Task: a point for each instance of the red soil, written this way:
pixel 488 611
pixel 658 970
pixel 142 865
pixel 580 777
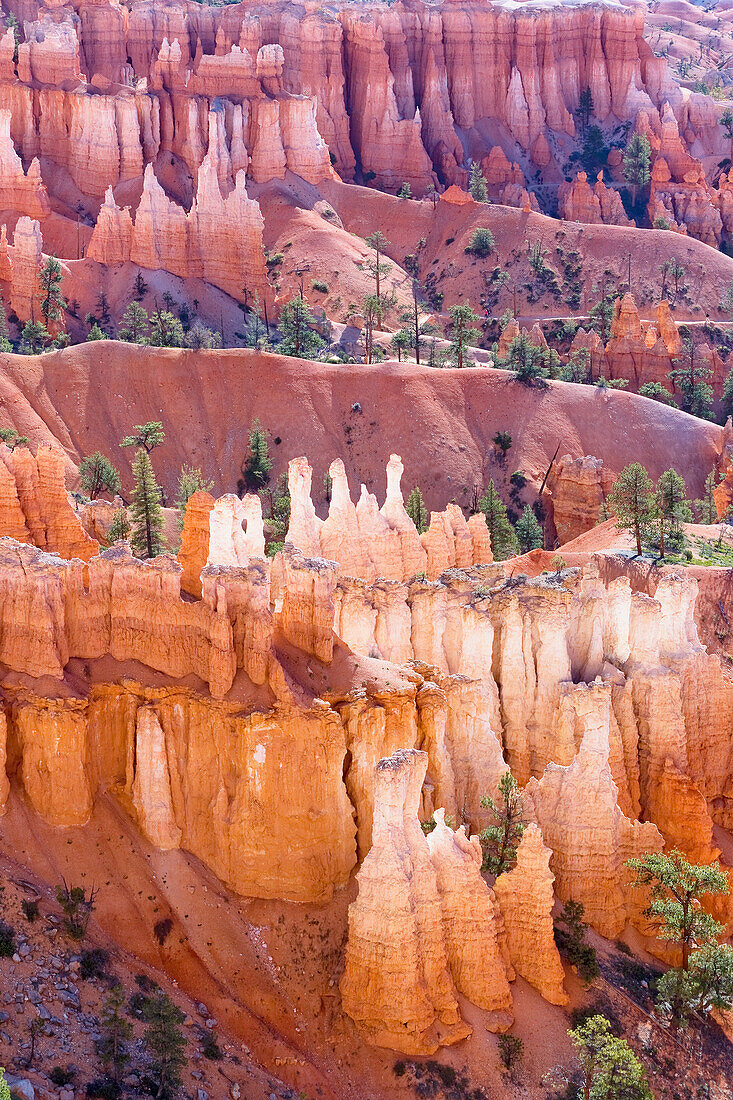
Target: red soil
pixel 441 421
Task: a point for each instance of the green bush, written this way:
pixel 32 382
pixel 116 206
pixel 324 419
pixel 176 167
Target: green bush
pixel 482 242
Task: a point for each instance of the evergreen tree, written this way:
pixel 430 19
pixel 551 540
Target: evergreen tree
pixel 675 271
pixel 201 338
pixel 477 184
pixel 299 339
pixel 95 333
pixel 632 500
pixel 146 515
pixel 135 325
pixel 482 242
pixel 5 344
pixel 692 378
pixel 11 438
pixel 527 361
pixel 405 191
pixel 97 474
pixel 503 440
pixel 149 436
pixel 657 392
pixel 258 463
pixel 706 986
pixel 417 511
pixel 4 1087
pixel 705 505
pixel 141 287
pixel 570 933
pixel 190 481
pixel 401 341
pixel 675 888
pixel 585 109
pixel 119 528
pixel 165 1042
pixel 254 334
pixel 278 521
pixel 610 1069
pixel 594 153
pixel 528 531
pixel 373 311
pixel 637 161
pixel 52 302
pixel 378 242
pixel 463 333
pixel 501 840
pixel 503 539
pixel 166 331
pixel 33 338
pixel 673 510
pixel 726 401
pixel 116 1031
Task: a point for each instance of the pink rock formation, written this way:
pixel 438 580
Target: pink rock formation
pixel 21 192
pixel 579 202
pixel 525 898
pixel 396 986
pixel 578 488
pixel 591 840
pixel 470 923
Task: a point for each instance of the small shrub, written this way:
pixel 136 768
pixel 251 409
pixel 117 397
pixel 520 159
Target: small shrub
pixel 93 963
pixel 482 242
pixel 320 286
pixel 399 1069
pixel 511 1051
pixel 30 910
pixel 210 1048
pixel 275 259
pixel 77 909
pixel 61 1077
pixel 7 940
pixel 162 929
pixel 104 1088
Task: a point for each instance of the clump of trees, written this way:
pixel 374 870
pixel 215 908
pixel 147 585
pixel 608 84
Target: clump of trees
pixel 676 888
pixel 653 514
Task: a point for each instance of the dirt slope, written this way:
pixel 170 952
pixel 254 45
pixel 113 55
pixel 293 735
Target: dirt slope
pixel 441 421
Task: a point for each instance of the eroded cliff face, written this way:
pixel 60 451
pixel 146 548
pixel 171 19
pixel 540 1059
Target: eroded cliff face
pixel 248 723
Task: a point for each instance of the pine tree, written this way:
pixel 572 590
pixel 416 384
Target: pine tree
pixel 585 109
pixel 166 331
pixel 373 311
pixel 527 361
pixel 116 1032
pixel 12 439
pixel 675 888
pixel 119 528
pixel 705 505
pixel 417 511
pixel 503 539
pixel 145 512
pixel 4 1087
pixel 97 474
pixel 165 1042
pixel 528 531
pixel 52 302
pixel 33 338
pixel 149 436
pixel 95 333
pixel 692 378
pixel 632 500
pixel 637 161
pixel 135 325
pixel 258 463
pixel 501 840
pixel 464 333
pixel 299 339
pixel 190 481
pixel 673 509
pixel 477 184
pixel 610 1069
pixel 5 344
pixel 378 242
